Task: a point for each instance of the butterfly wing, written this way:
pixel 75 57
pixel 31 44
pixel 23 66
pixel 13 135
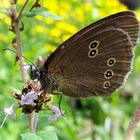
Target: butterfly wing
pixel 95 60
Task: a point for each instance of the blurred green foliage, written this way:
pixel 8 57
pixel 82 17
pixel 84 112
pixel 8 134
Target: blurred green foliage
pixel 94 118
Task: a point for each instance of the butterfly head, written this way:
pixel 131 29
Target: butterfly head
pixel 47 82
pixel 34 73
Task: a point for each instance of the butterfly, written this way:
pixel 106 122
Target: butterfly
pixel 94 61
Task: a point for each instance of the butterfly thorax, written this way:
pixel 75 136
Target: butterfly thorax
pixel 47 82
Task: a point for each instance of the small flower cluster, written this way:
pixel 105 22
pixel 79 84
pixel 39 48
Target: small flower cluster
pixel 33 99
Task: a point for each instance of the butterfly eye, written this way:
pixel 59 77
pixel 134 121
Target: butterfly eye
pixel 92 53
pixel 108 74
pixel 94 44
pixel 111 62
pixel 106 84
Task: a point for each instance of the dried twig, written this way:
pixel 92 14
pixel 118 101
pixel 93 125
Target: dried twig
pixel 133 124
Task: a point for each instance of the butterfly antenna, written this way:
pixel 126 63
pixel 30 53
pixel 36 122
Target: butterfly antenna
pixel 7 49
pixel 59 103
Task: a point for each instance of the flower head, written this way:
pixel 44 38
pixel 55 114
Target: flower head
pixel 56 113
pixel 29 98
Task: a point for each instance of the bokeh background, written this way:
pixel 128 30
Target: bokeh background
pixel 94 118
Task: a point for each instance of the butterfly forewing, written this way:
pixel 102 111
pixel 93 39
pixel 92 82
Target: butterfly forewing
pixel 95 60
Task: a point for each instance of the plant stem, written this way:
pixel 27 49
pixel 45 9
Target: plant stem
pixel 35 122
pixel 18 43
pixel 20 52
pixel 18 18
pixel 34 5
pixel 33 117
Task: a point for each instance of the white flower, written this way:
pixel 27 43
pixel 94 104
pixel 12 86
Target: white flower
pixel 56 113
pixel 29 98
pixel 10 112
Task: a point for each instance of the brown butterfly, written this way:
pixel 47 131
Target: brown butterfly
pixel 94 61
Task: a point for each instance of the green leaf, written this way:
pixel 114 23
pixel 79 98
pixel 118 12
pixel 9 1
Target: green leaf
pixel 137 64
pixel 42 12
pixel 42 135
pixel 48 135
pixel 3 11
pixel 30 136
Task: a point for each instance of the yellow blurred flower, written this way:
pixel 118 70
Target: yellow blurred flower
pixel 88 6
pixel 65 5
pixel 110 7
pixel 49 20
pixel 66 27
pixel 40 18
pixel 55 32
pixel 79 13
pixel 50 48
pixel 51 6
